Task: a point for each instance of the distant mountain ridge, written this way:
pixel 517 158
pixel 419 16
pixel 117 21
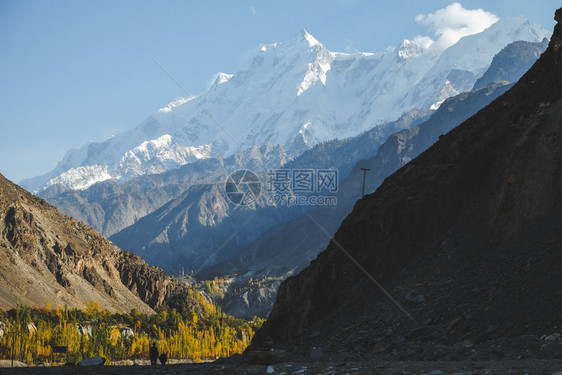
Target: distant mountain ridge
pixel 109 206
pixel 295 94
pixel 512 62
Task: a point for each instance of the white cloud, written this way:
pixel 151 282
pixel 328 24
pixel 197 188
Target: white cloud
pixel 253 10
pixel 453 22
pixel 423 41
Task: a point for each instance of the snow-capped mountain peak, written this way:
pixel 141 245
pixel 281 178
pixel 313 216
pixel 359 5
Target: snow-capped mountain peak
pixel 461 64
pixel 413 48
pixel 222 78
pixel 295 94
pixel 303 40
pixel 309 38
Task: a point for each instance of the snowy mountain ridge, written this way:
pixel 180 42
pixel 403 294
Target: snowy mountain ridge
pixel 296 94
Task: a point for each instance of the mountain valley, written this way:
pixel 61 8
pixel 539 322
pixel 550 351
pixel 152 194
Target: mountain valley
pixel 310 212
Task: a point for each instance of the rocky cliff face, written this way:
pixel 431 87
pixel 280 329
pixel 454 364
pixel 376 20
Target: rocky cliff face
pixel 151 284
pixel 465 238
pixel 47 257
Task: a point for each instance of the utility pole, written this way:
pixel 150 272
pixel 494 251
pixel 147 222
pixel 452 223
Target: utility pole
pixel 364 174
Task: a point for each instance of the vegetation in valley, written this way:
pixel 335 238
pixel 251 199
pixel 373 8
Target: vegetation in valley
pixel 189 328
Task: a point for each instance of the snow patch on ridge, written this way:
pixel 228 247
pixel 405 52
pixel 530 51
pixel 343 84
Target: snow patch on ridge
pixel 316 72
pixel 222 78
pixel 174 104
pixel 309 38
pixel 81 178
pixel 446 92
pixel 157 156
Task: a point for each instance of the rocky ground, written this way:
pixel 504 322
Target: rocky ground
pixel 538 367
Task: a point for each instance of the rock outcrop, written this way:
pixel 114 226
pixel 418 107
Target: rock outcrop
pixel 47 257
pixel 150 283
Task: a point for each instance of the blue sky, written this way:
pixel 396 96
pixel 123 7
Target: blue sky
pixel 74 71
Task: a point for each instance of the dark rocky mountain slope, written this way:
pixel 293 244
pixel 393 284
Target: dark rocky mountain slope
pixel 47 257
pixel 466 238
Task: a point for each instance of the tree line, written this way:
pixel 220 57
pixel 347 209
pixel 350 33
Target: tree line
pixel 43 335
